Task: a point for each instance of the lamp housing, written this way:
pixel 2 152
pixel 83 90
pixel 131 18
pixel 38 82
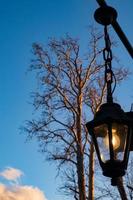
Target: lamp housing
pixel 111 131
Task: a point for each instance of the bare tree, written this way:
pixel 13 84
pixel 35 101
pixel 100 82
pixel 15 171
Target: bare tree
pixel 71 89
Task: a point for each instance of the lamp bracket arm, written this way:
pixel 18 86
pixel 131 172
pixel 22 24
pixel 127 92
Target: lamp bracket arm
pixel 119 31
pixel 101 2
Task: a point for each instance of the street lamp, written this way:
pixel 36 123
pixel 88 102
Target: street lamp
pixel 112 128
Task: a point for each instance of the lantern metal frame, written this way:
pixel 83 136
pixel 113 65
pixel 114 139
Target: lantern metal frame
pixel 110 113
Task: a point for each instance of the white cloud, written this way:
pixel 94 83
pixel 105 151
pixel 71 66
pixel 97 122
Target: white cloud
pixel 16 191
pixel 11 174
pixel 21 193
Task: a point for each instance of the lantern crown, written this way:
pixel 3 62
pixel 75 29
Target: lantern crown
pixel 109 112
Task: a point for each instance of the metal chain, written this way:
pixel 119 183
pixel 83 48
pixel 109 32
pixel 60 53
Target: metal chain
pixel 107 56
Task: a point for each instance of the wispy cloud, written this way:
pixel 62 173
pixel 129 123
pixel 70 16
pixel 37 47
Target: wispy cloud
pixel 16 191
pixel 21 193
pixel 11 174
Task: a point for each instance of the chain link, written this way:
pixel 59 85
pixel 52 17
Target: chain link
pixel 107 53
pixel 107 56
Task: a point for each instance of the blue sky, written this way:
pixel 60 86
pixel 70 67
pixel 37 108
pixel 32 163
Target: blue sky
pixel 21 24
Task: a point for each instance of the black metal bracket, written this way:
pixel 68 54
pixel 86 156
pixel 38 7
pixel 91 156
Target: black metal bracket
pixel 118 30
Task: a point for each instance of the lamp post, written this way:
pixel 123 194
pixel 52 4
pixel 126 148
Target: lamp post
pixel 112 128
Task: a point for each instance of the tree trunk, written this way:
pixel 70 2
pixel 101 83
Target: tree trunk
pixel 80 153
pixel 91 173
pixel 121 189
pixel 80 172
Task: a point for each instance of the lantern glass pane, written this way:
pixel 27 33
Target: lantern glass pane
pixel 119 137
pixel 100 134
pixel 119 132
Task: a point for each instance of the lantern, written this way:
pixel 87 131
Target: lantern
pixel 111 131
